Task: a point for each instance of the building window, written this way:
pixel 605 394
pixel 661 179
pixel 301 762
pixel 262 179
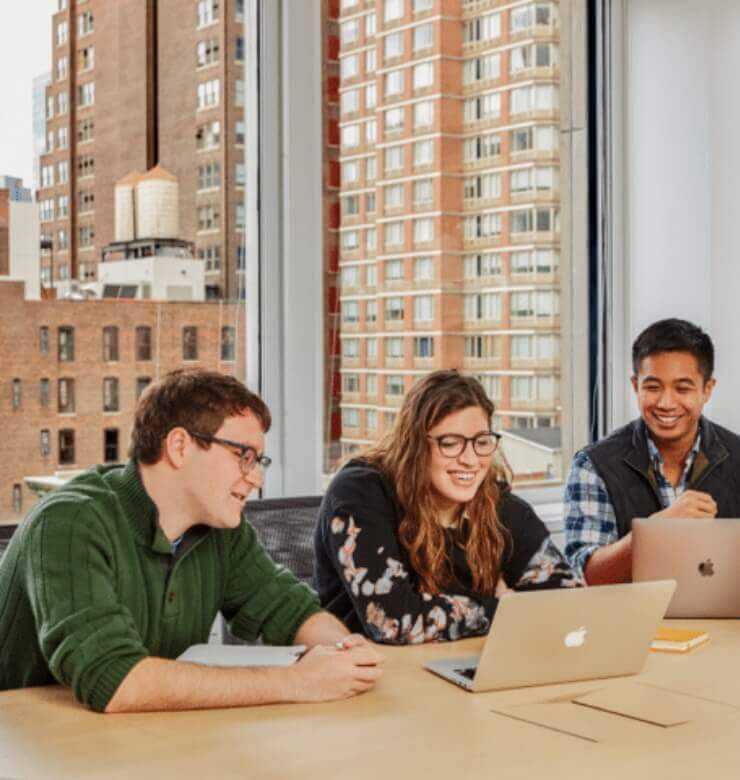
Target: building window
pixel 350 348
pixel 349 31
pixel 482 306
pixel 240 174
pixel 211 256
pixel 110 394
pixel 424 347
pixel 63 171
pixel 190 343
pixel 240 217
pixel 228 343
pixel 393 10
pixel 66 344
pixel 17 498
pixel 423 36
pixel 239 93
pixel 62 102
pixel 110 343
pixel 208 136
pixel 47 175
pixel 206 52
pixel 44 392
pixel 62 68
pixel 208 94
pixel 86 58
pixel 45 443
pixel 208 218
pixel 350 418
pixel 482 28
pixel 394 309
pixel 63 205
pixel 209 176
pixel 85 130
pixel 17 393
pixel 85 166
pixel 46 209
pixel 350 312
pixel 423 308
pixel 110 445
pixel 66 447
pixel 85 24
pixel 142 382
pixel 423 75
pixel 62 33
pixel 240 133
pixel 351 383
pixel 394 385
pixel 66 396
pixel 86 94
pixel 239 48
pixel 207 12
pixel 423 114
pixel 393 83
pixel 143 342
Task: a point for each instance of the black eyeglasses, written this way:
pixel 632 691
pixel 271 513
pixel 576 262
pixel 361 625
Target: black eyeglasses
pixel 248 457
pixel 452 445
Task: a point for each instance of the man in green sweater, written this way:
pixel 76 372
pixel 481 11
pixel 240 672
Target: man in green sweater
pixel 119 571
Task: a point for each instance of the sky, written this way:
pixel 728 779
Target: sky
pixel 25 52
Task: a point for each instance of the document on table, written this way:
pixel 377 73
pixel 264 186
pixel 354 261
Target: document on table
pixel 242 655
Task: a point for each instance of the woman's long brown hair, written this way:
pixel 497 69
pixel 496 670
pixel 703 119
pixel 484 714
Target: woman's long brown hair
pixel 403 455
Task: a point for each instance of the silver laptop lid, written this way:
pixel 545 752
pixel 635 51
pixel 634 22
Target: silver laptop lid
pixel 700 554
pixel 553 636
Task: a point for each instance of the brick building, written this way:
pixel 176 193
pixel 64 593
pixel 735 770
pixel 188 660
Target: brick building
pixel 135 85
pixel 72 372
pixel 449 234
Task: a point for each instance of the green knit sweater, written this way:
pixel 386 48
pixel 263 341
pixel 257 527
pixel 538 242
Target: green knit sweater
pixel 89 587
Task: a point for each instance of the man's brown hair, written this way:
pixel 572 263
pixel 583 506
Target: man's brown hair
pixel 196 400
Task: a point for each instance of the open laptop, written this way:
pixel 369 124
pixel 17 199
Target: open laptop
pixel 700 554
pixel 563 635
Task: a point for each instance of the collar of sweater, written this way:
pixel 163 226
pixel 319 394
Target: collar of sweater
pixel 141 510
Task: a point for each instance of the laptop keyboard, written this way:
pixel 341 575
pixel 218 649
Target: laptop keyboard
pixel 468 672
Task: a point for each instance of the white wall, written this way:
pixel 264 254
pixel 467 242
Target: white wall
pixel 23 241
pixel 681 173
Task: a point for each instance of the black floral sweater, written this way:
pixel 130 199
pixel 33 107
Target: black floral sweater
pixel 364 577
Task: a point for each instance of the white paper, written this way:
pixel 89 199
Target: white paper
pixel 242 655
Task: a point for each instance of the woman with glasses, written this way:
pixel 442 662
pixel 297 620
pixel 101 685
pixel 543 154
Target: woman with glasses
pixel 419 537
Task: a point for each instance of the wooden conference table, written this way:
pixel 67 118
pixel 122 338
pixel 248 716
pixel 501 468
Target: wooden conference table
pixel 412 725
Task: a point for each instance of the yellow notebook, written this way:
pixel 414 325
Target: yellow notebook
pixel 678 640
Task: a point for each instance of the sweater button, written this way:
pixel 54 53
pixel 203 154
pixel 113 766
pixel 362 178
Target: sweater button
pixel 171 596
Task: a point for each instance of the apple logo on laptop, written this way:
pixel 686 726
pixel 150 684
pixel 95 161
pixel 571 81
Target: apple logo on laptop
pixel 706 568
pixel 576 638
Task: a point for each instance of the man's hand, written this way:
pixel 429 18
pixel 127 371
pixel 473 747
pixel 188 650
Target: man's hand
pixel 328 674
pixel 691 503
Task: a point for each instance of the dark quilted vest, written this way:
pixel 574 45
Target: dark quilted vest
pixel 623 462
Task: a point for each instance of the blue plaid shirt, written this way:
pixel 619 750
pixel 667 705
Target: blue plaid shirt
pixel 590 521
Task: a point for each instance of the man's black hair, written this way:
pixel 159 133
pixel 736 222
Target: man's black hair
pixel 674 335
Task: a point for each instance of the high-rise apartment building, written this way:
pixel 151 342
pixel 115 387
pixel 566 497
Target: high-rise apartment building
pixel 134 85
pixel 449 235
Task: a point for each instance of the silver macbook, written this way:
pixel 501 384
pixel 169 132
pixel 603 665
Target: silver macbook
pixel 563 635
pixel 700 554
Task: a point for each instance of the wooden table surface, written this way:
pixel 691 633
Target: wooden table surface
pixel 412 725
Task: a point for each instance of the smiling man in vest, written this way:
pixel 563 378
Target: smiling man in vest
pixel 671 462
